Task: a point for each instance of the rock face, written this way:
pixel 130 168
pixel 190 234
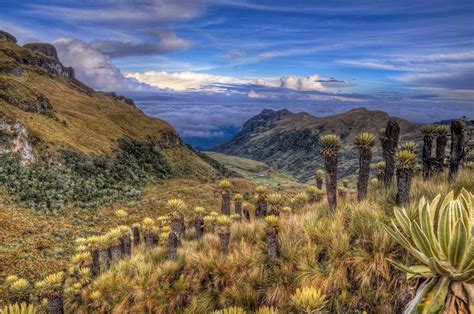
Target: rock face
pixel 14 140
pixel 48 59
pixel 290 141
pixel 4 36
pixel 124 99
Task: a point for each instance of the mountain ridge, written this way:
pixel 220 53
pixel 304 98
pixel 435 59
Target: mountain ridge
pixel 289 141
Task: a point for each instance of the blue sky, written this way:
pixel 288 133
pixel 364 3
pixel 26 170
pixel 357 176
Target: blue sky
pixel 399 54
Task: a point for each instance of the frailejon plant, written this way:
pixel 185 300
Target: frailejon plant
pixel 441 132
pixel 330 146
pixel 428 133
pixel 113 239
pixel 223 230
pixel 51 289
pixel 230 310
pixel 136 234
pixel 458 148
pixel 442 239
pixel 199 213
pixel 261 201
pixel 275 202
pixel 308 300
pixel 125 240
pixel 246 210
pixel 93 243
pixel 410 145
pixel 314 194
pixel 173 243
pixel 225 186
pixel 299 200
pixel 148 227
pixel 364 143
pixel 238 198
pixel 389 139
pixel 380 166
pixel 319 176
pixel 177 209
pixel 271 231
pixel 18 290
pixel 405 171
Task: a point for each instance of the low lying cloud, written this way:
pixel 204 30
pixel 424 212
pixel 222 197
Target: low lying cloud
pixel 93 67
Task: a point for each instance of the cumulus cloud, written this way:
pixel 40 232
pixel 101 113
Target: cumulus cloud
pixel 93 67
pixel 199 82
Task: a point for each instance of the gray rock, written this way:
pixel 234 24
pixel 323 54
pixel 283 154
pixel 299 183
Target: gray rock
pixel 4 36
pixel 14 140
pixel 47 59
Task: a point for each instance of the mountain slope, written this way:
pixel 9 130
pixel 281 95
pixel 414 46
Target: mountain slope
pixel 289 141
pixel 55 110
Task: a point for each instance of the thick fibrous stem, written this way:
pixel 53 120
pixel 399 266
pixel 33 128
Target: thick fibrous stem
pixel 115 252
pixel 177 226
pixel 105 256
pixel 389 146
pixel 441 142
pixel 273 245
pixel 173 242
pixel 126 245
pixel 149 239
pixel 458 150
pixel 224 236
pixel 330 163
pixel 261 208
pixel 238 207
pixel 246 213
pixel 225 206
pixel 199 227
pixel 365 157
pixel 319 183
pixel 55 303
pixel 95 267
pixel 426 155
pixel 404 178
pixel 136 236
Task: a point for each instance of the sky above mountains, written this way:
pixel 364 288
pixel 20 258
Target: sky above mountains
pixel 333 54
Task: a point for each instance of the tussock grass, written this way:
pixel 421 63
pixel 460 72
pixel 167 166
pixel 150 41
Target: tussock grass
pixel 344 255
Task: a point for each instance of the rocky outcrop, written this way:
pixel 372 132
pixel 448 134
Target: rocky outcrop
pixel 4 36
pixel 290 141
pixel 47 58
pixel 14 140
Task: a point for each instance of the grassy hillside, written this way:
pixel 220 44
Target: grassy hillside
pixel 257 171
pixel 81 119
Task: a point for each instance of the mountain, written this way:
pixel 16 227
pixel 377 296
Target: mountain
pixel 289 141
pixel 44 108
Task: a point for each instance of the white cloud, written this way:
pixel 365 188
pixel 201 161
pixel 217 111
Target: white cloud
pixel 192 81
pixel 94 68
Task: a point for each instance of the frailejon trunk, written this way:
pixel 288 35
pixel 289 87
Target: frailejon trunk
pixel 173 246
pixel 105 257
pixel 458 298
pixel 225 206
pixel 261 208
pixel 55 303
pixel 95 267
pixel 116 252
pixel 149 239
pixel 238 208
pixel 404 177
pixel 136 236
pixel 246 214
pixel 365 158
pixel 199 227
pixel 426 155
pixel 389 146
pixel 441 142
pixel 457 148
pixel 273 246
pixel 177 226
pixel 126 243
pixel 330 163
pixel 224 236
pixel 319 183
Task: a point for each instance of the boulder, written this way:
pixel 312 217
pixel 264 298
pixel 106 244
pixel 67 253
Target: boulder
pixel 4 36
